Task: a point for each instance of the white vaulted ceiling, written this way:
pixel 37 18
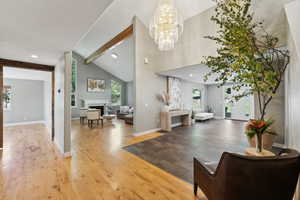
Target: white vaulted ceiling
pixel 117 17
pixel 46 28
pixel 123 66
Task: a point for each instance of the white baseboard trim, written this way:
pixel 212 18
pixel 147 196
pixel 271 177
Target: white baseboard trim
pixel 176 125
pixel 76 118
pixel 218 117
pixel 68 155
pixel 64 154
pixel 155 130
pixel 24 123
pixel 146 132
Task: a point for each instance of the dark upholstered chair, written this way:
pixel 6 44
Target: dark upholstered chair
pixel 239 177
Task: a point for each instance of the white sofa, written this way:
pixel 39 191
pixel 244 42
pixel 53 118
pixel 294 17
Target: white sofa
pixel 204 116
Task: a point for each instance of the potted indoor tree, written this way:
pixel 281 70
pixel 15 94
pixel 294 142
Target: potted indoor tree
pixel 248 57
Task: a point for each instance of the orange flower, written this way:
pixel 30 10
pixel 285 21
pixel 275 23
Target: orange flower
pixel 257 124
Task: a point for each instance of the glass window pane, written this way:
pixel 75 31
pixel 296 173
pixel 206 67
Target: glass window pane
pixel 73 100
pixel 74 84
pixel 116 90
pixel 74 76
pixel 196 99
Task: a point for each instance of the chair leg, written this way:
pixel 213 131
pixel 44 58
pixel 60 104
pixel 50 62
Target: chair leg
pixel 195 189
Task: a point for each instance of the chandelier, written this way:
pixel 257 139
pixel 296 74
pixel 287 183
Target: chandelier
pixel 166 25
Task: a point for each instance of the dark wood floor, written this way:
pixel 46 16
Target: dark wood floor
pixel 174 151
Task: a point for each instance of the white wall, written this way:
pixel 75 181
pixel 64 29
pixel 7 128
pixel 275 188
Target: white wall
pixel 192 46
pixel 292 76
pixel 292 85
pixel 215 100
pixel 147 84
pixel 27 102
pixel 48 104
pixel 59 104
pixel 67 100
pixel 62 103
pixel 129 94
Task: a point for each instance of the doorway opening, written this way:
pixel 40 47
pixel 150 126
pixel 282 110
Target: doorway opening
pixel 240 110
pixel 27 99
pixel 103 86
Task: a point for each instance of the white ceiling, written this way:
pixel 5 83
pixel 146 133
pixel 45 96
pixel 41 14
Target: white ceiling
pixel 117 17
pixel 46 28
pixel 194 73
pixel 122 67
pixel 27 74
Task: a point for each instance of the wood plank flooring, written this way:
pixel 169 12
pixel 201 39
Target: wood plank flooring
pixel 32 168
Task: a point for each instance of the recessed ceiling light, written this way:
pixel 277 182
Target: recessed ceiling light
pixel 191 75
pixel 34 56
pixel 114 55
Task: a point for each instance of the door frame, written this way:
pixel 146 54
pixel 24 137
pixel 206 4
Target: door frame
pixel 32 66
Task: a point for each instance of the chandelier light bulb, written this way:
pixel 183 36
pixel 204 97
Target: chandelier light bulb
pixel 166 25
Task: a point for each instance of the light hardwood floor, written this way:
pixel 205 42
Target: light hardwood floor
pixel 32 168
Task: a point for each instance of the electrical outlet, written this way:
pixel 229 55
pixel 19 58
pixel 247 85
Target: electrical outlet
pixel 146 60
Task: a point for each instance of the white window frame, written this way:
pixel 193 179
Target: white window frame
pixel 74 61
pixel 121 94
pixel 200 105
pixel 8 108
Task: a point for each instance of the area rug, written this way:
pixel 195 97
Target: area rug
pixel 174 151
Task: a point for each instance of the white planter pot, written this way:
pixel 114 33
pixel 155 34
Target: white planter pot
pixel 268 141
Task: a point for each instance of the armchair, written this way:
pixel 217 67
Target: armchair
pixel 239 177
pixel 124 111
pixel 92 116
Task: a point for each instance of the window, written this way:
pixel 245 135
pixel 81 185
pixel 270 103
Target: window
pixel 116 90
pixel 74 84
pixel 196 99
pixel 7 94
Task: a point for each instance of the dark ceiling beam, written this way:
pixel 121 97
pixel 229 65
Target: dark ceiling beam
pixel 26 65
pixel 120 37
